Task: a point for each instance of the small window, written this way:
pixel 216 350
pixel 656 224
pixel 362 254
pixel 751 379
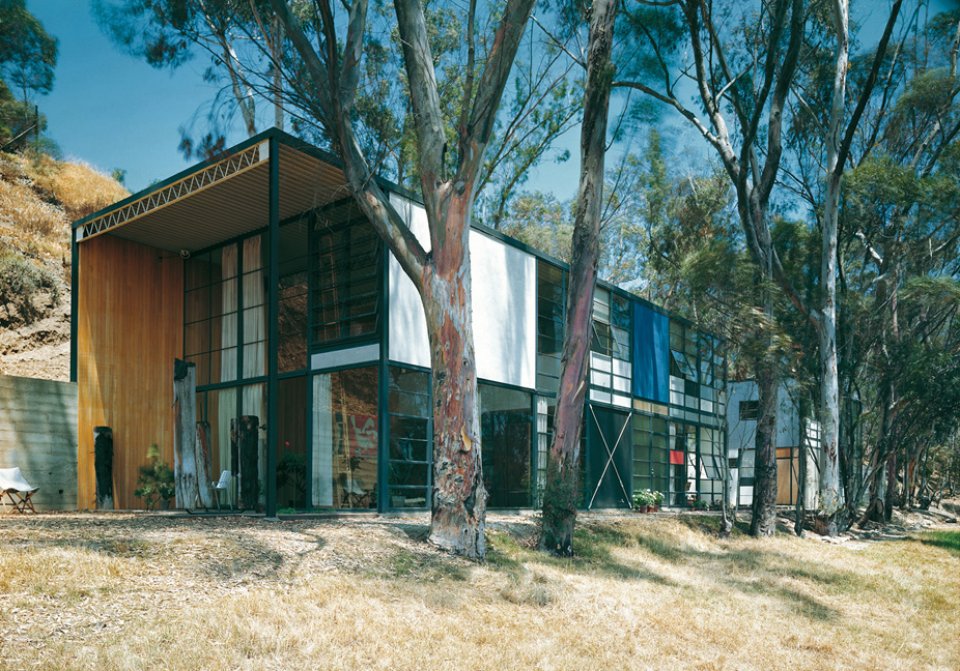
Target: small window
pixel 749 409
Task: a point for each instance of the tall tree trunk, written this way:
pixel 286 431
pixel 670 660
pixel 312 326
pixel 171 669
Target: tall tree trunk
pixel 561 493
pixel 891 486
pixel 764 520
pixel 459 498
pixel 827 324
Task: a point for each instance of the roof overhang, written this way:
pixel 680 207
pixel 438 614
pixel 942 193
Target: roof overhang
pixel 222 198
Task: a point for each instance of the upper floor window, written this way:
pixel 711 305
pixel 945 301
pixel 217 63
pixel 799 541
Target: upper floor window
pixel 347 277
pixel 611 325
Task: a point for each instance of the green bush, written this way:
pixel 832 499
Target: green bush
pixel 20 280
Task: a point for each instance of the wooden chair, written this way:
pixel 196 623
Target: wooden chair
pixel 15 487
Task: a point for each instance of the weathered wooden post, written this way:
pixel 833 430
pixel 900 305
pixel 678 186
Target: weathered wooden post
pixel 103 466
pixel 245 451
pixel 204 480
pixel 185 433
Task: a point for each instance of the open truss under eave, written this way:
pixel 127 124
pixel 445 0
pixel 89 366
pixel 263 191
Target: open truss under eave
pixel 231 166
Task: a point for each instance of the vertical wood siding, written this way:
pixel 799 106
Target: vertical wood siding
pixel 129 331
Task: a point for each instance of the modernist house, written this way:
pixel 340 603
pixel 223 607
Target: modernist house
pixel 794 428
pixel 312 356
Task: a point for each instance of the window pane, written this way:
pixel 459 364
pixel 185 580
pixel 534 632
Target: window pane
pixel 345 439
pixel 346 277
pixel 292 444
pixel 506 430
pixel 411 440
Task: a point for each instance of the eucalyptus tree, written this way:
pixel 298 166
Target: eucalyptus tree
pixel 561 491
pixel 323 71
pixel 825 139
pixel 741 61
pixel 28 54
pixel 326 62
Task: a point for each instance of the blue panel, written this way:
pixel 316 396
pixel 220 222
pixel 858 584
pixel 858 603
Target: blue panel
pixel 651 347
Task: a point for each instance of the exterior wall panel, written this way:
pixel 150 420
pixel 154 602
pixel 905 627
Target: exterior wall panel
pixel 504 311
pixel 129 331
pixel 409 343
pixel 38 434
pixel 504 307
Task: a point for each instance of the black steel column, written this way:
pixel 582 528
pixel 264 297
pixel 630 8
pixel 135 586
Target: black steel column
pixel 273 286
pixel 74 301
pixel 384 502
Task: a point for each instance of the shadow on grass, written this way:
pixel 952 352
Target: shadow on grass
pixel 210 547
pixel 752 569
pixel 594 543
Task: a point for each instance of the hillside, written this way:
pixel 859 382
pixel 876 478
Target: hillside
pixel 39 197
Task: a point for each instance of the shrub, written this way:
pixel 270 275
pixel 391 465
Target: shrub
pixel 20 280
pixel 156 480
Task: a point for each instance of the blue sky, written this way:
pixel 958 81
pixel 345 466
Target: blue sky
pixel 115 111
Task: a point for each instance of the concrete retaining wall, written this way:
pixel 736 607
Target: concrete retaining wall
pixel 38 433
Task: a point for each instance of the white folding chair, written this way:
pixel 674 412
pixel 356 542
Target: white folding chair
pixel 17 489
pixel 222 485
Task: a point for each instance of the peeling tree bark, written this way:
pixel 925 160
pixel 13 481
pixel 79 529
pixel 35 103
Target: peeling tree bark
pixel 561 493
pixel 459 497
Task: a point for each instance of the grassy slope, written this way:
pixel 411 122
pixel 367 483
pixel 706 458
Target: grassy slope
pixel 39 197
pixel 131 592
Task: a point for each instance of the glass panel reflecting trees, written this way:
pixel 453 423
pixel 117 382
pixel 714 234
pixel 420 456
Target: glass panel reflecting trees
pixel 345 439
pixel 411 438
pixel 506 428
pixel 346 268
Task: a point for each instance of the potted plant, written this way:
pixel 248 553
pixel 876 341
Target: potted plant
pixel 643 501
pixel 156 481
pixel 657 500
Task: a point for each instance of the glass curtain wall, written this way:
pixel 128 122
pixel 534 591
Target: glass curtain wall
pixel 225 335
pixel 411 438
pixel 506 426
pixel 551 296
pixel 346 268
pixel 345 439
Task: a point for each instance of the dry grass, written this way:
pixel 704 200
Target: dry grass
pixel 40 197
pixel 137 591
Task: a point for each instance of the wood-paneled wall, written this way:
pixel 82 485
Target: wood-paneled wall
pixel 129 331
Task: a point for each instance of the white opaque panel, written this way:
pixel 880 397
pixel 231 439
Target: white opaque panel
pixel 676 398
pixel 599 396
pixel 600 362
pixel 676 384
pixel 344 357
pixel 409 342
pixel 504 311
pixel 621 384
pixel 622 401
pixel 600 379
pixel 621 368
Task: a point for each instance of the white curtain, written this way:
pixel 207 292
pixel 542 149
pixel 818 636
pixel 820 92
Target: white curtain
pixel 322 444
pixel 227 406
pixel 254 349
